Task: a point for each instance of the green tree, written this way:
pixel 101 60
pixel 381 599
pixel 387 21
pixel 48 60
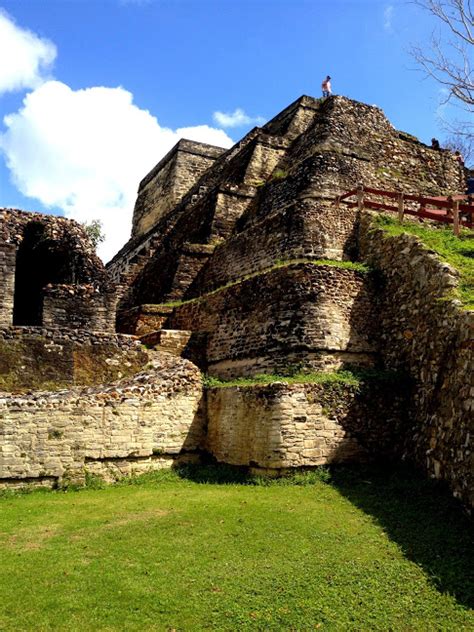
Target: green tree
pixel 94 230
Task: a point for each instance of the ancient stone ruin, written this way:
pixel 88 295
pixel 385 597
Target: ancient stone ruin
pixel 240 263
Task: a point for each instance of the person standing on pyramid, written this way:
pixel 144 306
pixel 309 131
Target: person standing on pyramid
pixel 326 87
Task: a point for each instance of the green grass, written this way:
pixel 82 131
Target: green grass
pixel 348 378
pixel 364 550
pixel 457 251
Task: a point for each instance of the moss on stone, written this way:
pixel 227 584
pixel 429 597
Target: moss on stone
pixel 36 363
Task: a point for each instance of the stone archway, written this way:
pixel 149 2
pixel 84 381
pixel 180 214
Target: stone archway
pixel 40 260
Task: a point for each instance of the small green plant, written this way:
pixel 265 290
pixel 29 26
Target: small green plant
pixel 279 174
pixel 92 481
pixel 94 230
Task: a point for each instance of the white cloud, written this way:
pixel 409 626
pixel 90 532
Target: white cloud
pixel 387 18
pixel 85 151
pixel 237 118
pixel 26 58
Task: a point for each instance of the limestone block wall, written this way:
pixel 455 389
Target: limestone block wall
pixel 432 338
pixel 196 203
pixel 281 426
pixel 231 202
pixel 320 316
pixel 211 206
pixel 143 319
pixel 7 282
pixel 169 180
pixel 190 262
pixel 210 217
pixel 347 144
pixel 295 118
pixel 132 426
pixel 307 229
pixel 79 307
pixel 41 358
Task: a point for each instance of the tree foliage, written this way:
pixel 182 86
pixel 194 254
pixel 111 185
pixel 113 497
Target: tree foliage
pixel 94 231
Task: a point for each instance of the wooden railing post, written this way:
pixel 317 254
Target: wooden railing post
pixel 360 198
pixel 456 230
pixel 470 201
pixel 401 207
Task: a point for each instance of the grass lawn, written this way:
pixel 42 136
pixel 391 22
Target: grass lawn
pixel 365 550
pixel 457 251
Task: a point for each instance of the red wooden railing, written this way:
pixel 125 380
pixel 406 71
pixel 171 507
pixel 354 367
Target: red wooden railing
pixel 457 210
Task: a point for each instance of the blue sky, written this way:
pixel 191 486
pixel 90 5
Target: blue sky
pixel 106 87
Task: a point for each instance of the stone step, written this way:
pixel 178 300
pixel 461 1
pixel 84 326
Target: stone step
pixel 173 341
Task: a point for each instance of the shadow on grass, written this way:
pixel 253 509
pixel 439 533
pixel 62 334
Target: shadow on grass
pixel 421 517
pixel 418 514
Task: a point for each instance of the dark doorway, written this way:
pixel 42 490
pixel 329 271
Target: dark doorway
pixel 40 260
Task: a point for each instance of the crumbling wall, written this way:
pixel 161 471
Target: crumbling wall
pixel 7 282
pixel 139 424
pixel 37 250
pixel 208 211
pixel 294 215
pixel 39 358
pixel 308 229
pixel 427 334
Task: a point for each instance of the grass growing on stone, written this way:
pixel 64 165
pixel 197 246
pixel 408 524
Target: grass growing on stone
pixel 347 378
pixel 344 265
pixel 209 548
pixel 457 251
pixel 354 377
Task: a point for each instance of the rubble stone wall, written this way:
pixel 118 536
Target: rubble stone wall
pixel 312 229
pixel 428 334
pixel 77 307
pixel 132 426
pixel 7 282
pixel 41 358
pixel 297 313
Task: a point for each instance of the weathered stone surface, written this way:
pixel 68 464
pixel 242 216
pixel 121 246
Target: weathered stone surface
pixel 80 307
pixel 142 423
pixel 427 333
pixel 172 341
pixel 282 426
pixel 224 238
pixel 41 251
pixel 41 358
pixel 303 314
pixel 276 184
pixel 169 180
